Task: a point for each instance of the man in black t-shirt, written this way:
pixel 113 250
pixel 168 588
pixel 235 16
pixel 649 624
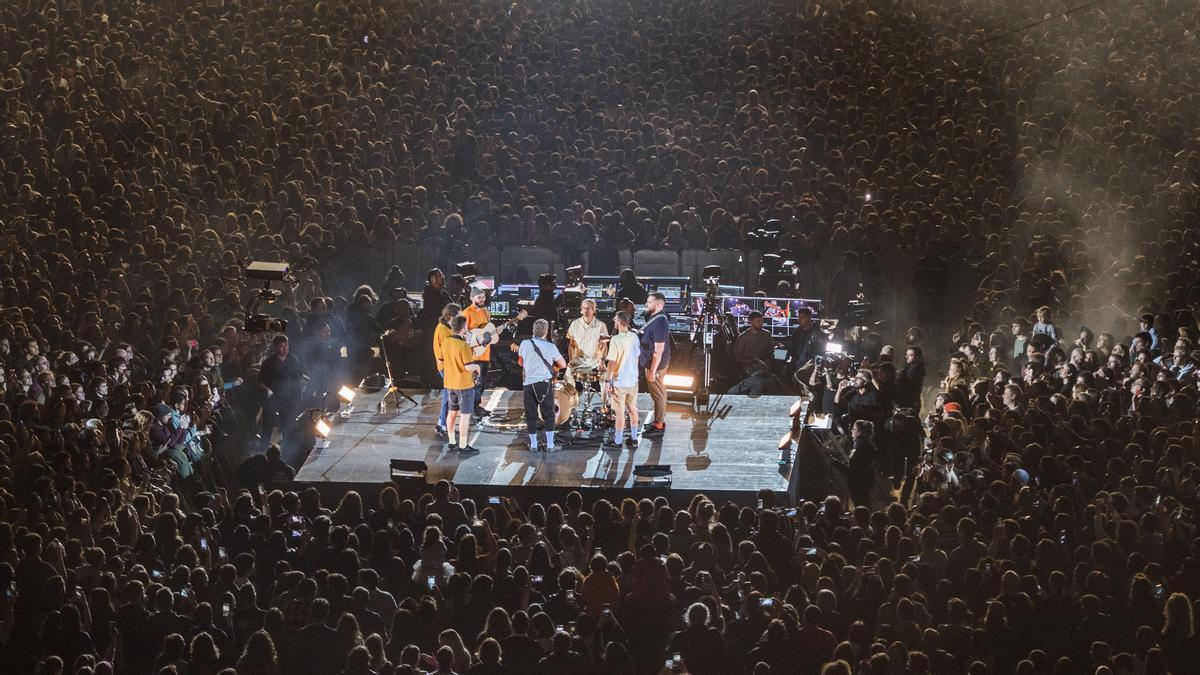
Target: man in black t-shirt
pixel 859 398
pixel 281 379
pixel 655 357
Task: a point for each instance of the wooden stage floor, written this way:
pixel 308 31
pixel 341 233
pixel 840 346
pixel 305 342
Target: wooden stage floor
pixel 730 448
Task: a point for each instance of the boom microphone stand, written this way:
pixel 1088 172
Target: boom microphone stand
pixel 392 389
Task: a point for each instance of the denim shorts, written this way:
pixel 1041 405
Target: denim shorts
pixel 462 399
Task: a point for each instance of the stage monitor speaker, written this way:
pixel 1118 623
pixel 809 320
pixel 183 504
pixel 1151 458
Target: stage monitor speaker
pixel 408 469
pixel 814 477
pixel 652 475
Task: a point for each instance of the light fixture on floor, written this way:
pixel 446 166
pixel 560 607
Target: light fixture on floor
pixel 346 396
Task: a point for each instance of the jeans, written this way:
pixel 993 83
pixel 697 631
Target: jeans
pixel 533 392
pixel 483 371
pixel 445 407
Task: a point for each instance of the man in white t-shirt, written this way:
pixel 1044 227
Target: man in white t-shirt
pixel 623 352
pixel 586 337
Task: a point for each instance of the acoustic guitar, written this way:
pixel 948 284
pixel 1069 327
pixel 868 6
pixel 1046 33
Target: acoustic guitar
pixel 488 334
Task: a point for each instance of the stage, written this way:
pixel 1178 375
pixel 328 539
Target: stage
pixel 728 450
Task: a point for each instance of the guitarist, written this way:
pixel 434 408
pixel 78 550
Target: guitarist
pixel 540 359
pixel 478 316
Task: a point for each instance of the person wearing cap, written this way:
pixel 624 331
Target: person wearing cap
pixel 754 344
pixel 859 398
pixel 478 316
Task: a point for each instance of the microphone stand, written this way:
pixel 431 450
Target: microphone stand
pixel 392 390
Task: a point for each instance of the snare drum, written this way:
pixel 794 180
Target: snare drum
pixel 583 373
pixel 565 400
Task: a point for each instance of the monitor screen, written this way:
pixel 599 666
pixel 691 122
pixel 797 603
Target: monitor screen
pixel 779 314
pixel 500 307
pixel 514 292
pixel 675 289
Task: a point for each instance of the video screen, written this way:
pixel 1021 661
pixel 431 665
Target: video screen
pixel 779 314
pixel 515 292
pixel 676 289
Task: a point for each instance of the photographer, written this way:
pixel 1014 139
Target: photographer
pixel 858 399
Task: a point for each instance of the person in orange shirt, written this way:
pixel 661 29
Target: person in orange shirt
pixel 477 317
pixel 440 333
pixel 459 372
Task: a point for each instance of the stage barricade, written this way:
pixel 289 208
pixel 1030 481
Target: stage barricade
pixel 656 263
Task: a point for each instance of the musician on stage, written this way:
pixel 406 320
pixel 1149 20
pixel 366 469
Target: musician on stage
pixel 655 357
pixel 478 316
pixel 623 353
pixel 460 369
pixel 586 337
pixel 539 358
pixel 440 333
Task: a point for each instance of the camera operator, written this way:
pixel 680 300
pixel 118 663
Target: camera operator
pixel 822 376
pixel 859 399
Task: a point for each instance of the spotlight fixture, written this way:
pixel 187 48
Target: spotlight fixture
pixel 346 394
pixel 323 429
pixel 679 383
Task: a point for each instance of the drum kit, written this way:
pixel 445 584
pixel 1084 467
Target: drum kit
pixel 580 399
pixel 580 404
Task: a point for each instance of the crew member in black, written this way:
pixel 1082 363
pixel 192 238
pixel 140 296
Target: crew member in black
pixel 630 287
pixel 808 341
pixel 545 306
pixel 281 380
pixel 434 297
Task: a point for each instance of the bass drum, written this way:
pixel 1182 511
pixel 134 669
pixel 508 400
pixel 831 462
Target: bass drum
pixel 565 400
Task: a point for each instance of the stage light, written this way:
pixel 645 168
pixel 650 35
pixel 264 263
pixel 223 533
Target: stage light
pixel 679 382
pixel 323 429
pixel 795 409
pixel 346 394
pixel 833 348
pixel 785 441
pixel 868 197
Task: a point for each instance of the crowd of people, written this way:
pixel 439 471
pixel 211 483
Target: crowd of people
pixel 1036 179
